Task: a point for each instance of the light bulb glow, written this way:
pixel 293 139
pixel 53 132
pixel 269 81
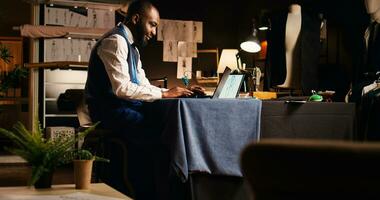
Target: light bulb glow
pixel 250 46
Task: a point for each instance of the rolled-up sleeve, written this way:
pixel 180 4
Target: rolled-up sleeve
pixel 113 51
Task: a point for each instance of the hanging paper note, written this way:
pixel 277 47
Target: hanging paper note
pixel 197 32
pixel 170 51
pixel 187 49
pixel 184 67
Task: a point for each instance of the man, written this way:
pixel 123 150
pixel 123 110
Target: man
pixel 116 86
pixel 116 81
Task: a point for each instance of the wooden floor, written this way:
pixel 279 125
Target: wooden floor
pixel 14 171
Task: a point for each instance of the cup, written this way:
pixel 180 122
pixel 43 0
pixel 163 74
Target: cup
pixel 198 74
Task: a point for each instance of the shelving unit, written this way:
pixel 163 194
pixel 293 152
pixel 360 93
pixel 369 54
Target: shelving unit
pixel 58 77
pixel 59 66
pixel 56 82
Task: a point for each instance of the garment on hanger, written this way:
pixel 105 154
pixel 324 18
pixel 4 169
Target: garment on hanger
pixel 369 88
pixel 373 47
pixel 369 111
pixel 369 117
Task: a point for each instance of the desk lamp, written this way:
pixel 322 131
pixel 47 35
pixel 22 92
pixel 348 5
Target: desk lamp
pixel 252 43
pixel 228 59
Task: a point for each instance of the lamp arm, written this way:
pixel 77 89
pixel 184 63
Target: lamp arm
pixel 237 60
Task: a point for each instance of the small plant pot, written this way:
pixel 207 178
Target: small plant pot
pixel 82 173
pixel 44 181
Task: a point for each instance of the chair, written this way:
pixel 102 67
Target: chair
pixel 312 169
pixel 105 143
pixel 159 82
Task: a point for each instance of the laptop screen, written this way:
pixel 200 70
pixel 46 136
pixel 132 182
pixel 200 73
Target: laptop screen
pixel 229 85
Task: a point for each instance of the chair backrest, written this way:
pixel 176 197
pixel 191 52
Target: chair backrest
pixel 77 97
pixel 312 169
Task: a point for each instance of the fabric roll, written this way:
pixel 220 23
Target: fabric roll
pixel 37 31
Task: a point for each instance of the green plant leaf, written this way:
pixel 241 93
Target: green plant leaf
pixel 43 155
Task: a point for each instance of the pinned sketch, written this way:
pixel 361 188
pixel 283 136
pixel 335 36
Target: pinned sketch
pixel 185 31
pixel 72 50
pixel 55 16
pixel 68 50
pixel 170 30
pixel 179 30
pixel 54 50
pixel 160 30
pixel 74 19
pixel 198 32
pixel 83 21
pixel 85 49
pixel 108 19
pixel 184 67
pixel 170 53
pixel 100 18
pixel 93 20
pixel 187 49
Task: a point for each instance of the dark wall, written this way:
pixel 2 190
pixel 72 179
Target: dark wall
pixel 226 24
pixel 13 13
pixel 220 28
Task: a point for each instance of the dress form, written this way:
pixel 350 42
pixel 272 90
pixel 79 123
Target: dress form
pixel 373 9
pixel 292 48
pixel 372 36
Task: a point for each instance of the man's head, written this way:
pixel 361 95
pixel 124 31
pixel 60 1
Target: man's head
pixel 142 19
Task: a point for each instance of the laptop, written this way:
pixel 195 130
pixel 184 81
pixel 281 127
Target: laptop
pixel 228 86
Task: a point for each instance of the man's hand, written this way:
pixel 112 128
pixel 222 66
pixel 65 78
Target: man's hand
pixel 197 89
pixel 177 92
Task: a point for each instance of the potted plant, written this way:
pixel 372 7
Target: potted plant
pixel 83 161
pixel 44 155
pixel 11 79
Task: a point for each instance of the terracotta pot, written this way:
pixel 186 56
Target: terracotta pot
pixel 44 181
pixel 82 173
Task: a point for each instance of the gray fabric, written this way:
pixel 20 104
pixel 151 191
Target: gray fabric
pixel 314 120
pixel 208 135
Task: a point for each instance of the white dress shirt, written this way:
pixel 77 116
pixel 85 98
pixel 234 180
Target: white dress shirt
pixel 113 51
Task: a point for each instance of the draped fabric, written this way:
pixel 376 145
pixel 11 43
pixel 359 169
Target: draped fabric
pixel 35 31
pixel 373 53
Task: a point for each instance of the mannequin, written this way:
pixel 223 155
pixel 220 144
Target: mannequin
pixel 372 36
pixel 370 50
pixel 292 48
pixel 285 65
pixel 373 9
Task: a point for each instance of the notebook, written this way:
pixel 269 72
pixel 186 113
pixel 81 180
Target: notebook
pixel 228 86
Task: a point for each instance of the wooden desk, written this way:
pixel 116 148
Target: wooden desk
pixel 96 188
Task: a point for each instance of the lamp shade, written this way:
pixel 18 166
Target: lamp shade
pixel 251 45
pixel 228 59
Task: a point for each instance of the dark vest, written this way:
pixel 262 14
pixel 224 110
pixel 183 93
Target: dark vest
pixel 102 102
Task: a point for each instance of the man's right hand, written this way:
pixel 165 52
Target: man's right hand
pixel 177 92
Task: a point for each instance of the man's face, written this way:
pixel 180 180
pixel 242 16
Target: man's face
pixel 146 27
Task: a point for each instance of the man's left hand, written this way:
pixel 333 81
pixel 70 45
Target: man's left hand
pixel 197 89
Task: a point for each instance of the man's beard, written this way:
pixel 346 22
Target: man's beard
pixel 141 41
